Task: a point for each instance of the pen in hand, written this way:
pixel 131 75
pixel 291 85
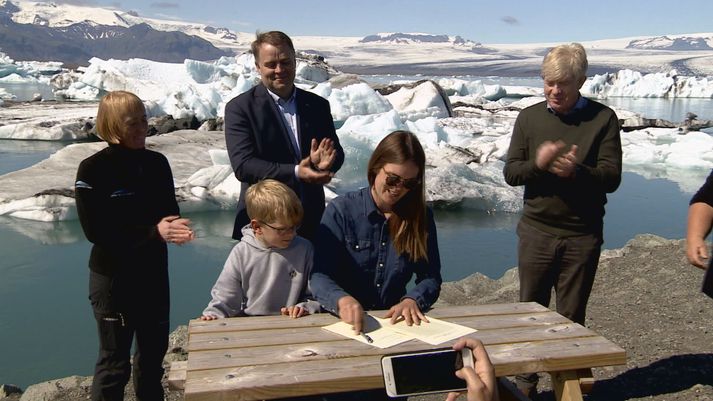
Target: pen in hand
pixel 366 337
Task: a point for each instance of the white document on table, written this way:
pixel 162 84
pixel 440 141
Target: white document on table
pixel 381 336
pixel 433 332
pixel 385 335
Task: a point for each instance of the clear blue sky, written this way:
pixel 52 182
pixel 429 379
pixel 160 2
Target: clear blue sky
pixel 491 21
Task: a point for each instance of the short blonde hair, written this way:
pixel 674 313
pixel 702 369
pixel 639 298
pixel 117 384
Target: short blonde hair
pixel 271 201
pixel 565 62
pixel 110 116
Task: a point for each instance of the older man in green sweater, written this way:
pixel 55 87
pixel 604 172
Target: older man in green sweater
pixel 566 151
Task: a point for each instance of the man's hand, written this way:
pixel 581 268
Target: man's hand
pixel 700 219
pixel 564 166
pixel 408 310
pixel 350 311
pixel 307 174
pixel 546 153
pixel 322 156
pixel 697 252
pixel 481 381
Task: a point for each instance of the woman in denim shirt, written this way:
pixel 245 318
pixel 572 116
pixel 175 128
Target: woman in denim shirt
pixel 372 241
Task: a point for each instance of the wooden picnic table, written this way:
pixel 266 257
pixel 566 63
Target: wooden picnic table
pixel 266 357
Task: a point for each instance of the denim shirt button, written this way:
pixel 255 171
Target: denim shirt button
pixel 381 265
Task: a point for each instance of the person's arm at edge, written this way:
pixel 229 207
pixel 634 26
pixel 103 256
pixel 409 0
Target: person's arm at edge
pixel 700 219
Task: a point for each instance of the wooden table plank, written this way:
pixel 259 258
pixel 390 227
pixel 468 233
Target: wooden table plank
pixel 202 340
pixel 321 319
pixel 364 372
pixel 345 348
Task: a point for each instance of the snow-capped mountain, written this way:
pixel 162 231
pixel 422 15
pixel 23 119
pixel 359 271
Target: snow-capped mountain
pixel 74 34
pixel 60 15
pixel 681 43
pixel 400 38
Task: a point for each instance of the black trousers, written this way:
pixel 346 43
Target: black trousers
pixel 124 311
pixel 567 264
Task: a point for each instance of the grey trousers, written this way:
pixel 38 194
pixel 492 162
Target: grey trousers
pixel 567 264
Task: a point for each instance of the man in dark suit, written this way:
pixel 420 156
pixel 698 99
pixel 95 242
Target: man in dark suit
pixel 276 130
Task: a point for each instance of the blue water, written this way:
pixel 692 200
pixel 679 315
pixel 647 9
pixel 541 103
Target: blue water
pixel 46 325
pixel 27 91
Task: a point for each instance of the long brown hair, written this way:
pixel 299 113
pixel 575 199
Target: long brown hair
pixel 407 224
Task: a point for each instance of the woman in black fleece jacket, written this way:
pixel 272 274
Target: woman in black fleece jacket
pixel 128 211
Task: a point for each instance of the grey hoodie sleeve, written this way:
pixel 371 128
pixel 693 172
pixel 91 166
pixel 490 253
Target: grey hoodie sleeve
pixel 307 300
pixel 227 293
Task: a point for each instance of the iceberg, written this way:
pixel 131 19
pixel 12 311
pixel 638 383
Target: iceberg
pixel 628 83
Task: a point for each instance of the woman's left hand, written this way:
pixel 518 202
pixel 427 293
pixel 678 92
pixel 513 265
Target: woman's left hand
pixel 407 310
pixel 175 229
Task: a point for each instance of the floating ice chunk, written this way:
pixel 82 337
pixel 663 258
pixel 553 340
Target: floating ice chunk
pixel 15 78
pixel 419 99
pixel 628 83
pixel 372 127
pixel 352 100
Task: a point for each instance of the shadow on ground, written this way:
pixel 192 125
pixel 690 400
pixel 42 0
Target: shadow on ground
pixel 665 376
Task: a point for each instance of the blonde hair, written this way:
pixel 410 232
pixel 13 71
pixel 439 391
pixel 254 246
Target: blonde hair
pixel 271 201
pixel 565 62
pixel 112 110
pixel 407 224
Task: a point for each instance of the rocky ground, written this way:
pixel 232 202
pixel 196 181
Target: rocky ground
pixel 646 299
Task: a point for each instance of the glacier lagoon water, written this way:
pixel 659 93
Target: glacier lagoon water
pixel 46 325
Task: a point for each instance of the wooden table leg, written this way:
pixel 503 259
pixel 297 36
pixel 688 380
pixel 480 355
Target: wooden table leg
pixel 566 385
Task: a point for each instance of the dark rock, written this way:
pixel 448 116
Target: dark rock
pixel 6 390
pixel 165 124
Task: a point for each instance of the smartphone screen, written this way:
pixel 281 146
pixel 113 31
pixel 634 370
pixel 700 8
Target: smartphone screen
pixel 430 372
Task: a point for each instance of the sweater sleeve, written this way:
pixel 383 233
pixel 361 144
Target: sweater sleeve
pixel 519 168
pixel 705 193
pixel 606 175
pixel 227 293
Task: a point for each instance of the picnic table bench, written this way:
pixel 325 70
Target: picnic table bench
pixel 266 357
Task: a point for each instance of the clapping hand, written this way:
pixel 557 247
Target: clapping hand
pixel 322 156
pixel 175 229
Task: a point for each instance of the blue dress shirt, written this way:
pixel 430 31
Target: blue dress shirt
pixel 354 255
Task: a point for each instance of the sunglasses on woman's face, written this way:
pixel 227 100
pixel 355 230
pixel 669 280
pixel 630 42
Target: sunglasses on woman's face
pixel 394 180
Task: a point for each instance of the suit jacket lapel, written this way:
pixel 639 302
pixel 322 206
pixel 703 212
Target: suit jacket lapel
pixel 304 113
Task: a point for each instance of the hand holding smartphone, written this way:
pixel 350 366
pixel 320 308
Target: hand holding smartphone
pixel 425 372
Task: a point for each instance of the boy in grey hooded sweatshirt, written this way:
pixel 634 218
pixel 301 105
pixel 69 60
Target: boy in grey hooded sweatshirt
pixel 266 272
